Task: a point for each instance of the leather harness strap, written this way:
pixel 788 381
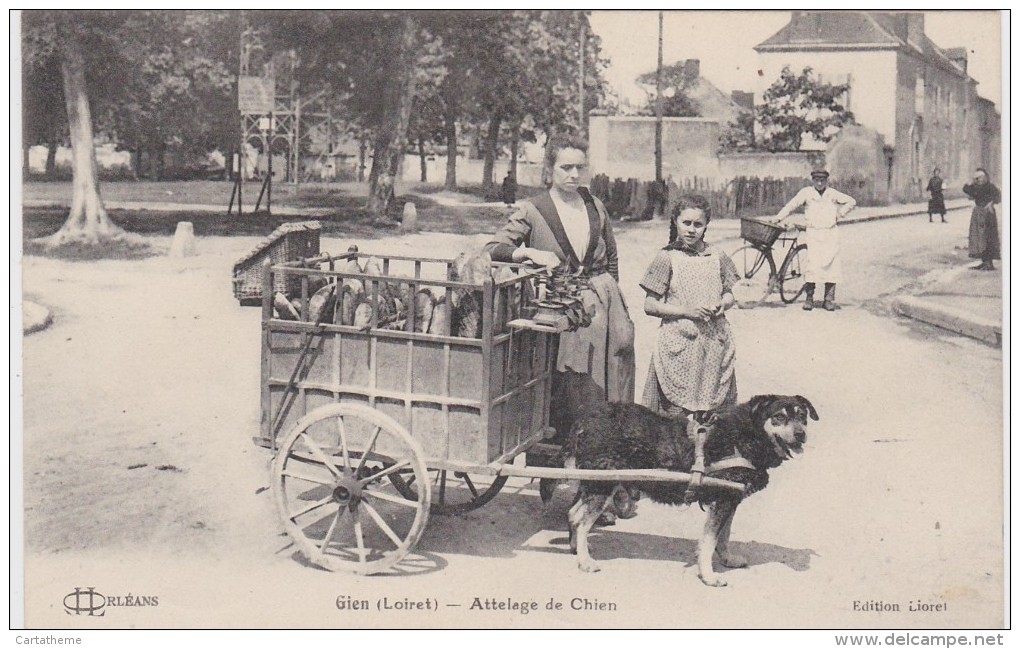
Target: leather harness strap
pixel 699 432
pixel 735 461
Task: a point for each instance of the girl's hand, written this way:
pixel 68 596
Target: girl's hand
pixel 701 313
pixel 540 257
pixel 727 302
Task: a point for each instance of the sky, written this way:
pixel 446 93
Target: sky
pixel 724 42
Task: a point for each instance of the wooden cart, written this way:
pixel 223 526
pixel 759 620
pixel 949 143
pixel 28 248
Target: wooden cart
pixel 374 427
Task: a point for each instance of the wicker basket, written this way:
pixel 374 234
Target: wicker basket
pixel 759 232
pixel 289 242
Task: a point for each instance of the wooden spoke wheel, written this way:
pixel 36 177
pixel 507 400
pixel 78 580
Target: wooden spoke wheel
pixel 453 492
pixel 331 480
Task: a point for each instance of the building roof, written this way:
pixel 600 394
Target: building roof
pixel 855 30
pixel 828 28
pixel 710 101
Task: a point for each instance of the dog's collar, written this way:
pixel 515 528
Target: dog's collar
pixel 735 461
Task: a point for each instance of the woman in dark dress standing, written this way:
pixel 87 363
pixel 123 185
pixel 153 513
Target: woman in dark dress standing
pixel 984 230
pixel 567 226
pixel 936 202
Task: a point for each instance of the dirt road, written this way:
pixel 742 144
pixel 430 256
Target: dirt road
pixel 141 478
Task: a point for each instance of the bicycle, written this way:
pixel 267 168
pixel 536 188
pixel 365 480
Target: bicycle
pixel 755 286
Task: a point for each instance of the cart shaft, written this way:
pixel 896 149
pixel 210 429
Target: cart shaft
pixel 610 475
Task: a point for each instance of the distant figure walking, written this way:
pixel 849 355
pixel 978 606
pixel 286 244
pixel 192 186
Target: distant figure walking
pixel 824 206
pixel 936 202
pixel 509 193
pixel 984 230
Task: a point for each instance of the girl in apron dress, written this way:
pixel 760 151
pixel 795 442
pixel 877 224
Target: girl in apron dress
pixel 689 285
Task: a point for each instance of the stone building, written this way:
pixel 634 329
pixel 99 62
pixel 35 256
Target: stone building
pixel 917 96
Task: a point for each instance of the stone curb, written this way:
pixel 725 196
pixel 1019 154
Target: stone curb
pixel 35 317
pixel 952 319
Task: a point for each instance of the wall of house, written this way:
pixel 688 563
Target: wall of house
pixel 990 136
pixel 624 147
pixel 937 125
pixel 873 80
pixel 857 160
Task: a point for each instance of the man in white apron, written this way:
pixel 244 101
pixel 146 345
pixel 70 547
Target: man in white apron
pixel 824 206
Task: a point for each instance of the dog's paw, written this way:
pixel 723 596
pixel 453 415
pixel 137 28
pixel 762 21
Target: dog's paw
pixel 713 580
pixel 732 560
pixel 588 566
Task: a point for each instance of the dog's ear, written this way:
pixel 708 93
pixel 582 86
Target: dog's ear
pixel 807 404
pixel 761 403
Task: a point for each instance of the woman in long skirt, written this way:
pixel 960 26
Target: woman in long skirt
pixel 936 200
pixel 984 229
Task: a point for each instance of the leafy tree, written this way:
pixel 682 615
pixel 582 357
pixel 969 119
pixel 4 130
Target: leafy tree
pixel 180 91
pixel 44 115
pixel 370 61
pixel 427 120
pixel 797 105
pixel 677 79
pixel 532 72
pixel 739 134
pixel 76 39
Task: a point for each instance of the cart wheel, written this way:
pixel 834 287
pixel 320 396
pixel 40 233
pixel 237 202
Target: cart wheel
pixel 453 492
pixel 791 276
pixel 757 271
pixel 331 484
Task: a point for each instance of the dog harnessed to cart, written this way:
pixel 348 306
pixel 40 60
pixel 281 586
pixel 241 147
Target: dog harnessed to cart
pixel 699 427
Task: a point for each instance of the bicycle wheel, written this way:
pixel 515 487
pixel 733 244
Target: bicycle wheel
pixel 756 268
pixel 791 276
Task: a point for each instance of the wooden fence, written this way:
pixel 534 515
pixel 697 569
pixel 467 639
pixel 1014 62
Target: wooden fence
pixel 741 196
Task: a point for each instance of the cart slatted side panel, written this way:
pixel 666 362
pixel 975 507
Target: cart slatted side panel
pixel 468 401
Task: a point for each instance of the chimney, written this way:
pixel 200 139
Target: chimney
pixel 692 69
pixel 900 23
pixel 958 55
pixel 743 99
pixel 915 27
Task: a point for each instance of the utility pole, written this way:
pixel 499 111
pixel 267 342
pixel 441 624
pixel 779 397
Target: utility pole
pixel 658 110
pixel 582 35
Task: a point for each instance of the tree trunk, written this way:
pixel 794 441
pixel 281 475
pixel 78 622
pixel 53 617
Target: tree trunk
pixel 160 161
pixel 26 167
pixel 51 159
pixel 421 156
pixel 362 152
pixel 491 142
pixel 450 119
pixel 398 100
pixel 87 221
pixel 515 138
pixel 136 162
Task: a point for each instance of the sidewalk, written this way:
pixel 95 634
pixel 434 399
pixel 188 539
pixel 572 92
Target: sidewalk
pixel 966 301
